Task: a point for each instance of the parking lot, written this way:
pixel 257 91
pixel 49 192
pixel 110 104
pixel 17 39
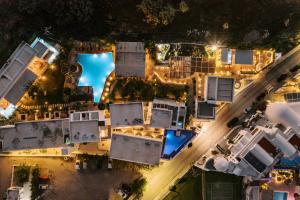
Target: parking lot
pixel 68 183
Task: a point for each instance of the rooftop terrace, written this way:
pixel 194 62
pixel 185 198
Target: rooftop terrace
pixel 136 149
pixel 34 135
pixel 127 114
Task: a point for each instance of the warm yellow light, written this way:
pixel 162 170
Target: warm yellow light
pixel 214 47
pixel 52 66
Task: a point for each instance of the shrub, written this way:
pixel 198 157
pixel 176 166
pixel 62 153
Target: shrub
pixel 138 186
pixel 35 191
pixel 22 174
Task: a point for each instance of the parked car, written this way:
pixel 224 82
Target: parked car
pixel 233 122
pixel 247 110
pixel 122 194
pixel 43 186
pixel 295 68
pixel 124 191
pixel 77 165
pixel 109 165
pixel 84 165
pixel 281 78
pixel 261 96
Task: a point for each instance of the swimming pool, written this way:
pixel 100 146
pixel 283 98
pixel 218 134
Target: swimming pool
pixel 173 144
pixel 280 196
pixel 284 162
pixel 95 70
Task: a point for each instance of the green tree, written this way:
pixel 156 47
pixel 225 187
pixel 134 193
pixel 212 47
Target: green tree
pixel 138 187
pixel 157 12
pixel 183 7
pixel 22 174
pixel 35 191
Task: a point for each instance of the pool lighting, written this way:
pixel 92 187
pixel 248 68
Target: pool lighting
pixel 96 70
pixel 82 80
pixel 214 47
pixel 104 56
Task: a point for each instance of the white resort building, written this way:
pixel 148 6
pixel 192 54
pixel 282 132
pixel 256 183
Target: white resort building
pixel 22 68
pixel 254 152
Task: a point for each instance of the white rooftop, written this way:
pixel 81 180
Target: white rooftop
pixel 254 153
pixel 126 114
pixel 137 149
pixel 34 135
pixel 84 131
pixel 15 67
pixel 166 113
pixel 161 118
pixel 287 114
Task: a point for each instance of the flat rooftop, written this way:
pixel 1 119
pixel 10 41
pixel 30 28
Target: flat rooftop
pixel 161 118
pixel 136 149
pixel 219 88
pixel 84 131
pixel 226 55
pixel 34 135
pixel 205 110
pixel 40 48
pixel 127 114
pixel 130 59
pixel 244 57
pixel 225 89
pixel 178 110
pixel 15 67
pixel 18 90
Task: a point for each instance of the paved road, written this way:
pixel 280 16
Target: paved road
pixel 161 178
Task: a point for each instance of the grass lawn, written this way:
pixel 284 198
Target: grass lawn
pixel 223 186
pixel 187 188
pixel 217 186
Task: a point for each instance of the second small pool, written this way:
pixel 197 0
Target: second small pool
pixel 280 195
pixel 173 143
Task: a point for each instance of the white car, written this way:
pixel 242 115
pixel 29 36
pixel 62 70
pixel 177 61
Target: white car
pixel 77 165
pixel 109 165
pixel 247 110
pixel 122 194
pixel 84 165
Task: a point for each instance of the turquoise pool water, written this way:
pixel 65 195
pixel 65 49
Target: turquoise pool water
pixel 173 144
pixel 284 162
pixel 95 70
pixel 280 195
